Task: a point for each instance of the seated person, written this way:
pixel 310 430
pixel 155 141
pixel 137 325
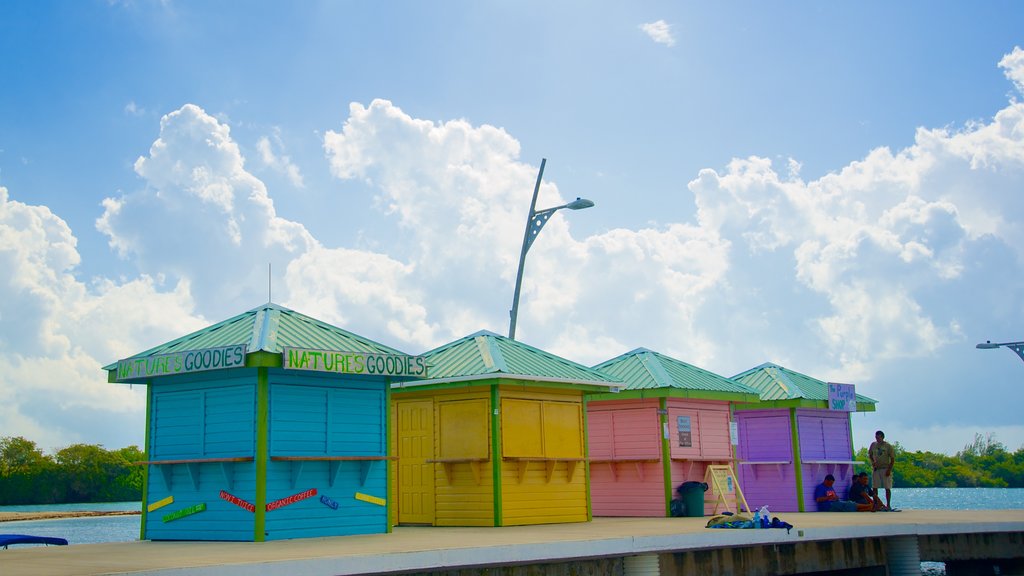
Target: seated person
pixel 828 501
pixel 862 495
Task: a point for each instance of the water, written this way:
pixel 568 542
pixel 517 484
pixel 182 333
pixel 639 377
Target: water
pixel 126 528
pixel 89 530
pixel 958 498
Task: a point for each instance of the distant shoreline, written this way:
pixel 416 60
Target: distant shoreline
pixel 61 514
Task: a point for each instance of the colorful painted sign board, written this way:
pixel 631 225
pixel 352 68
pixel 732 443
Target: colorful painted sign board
pixel 181 362
pixel 291 499
pixel 185 512
pixel 359 363
pixel 842 397
pixel 371 499
pixel 238 501
pixel 160 504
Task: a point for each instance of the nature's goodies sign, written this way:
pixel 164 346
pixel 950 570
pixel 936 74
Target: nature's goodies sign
pixel 359 363
pixel 181 362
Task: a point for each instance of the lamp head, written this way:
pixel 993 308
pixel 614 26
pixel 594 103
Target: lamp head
pixel 987 345
pixel 579 204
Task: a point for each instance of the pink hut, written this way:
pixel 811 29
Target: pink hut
pixel 799 432
pixel 667 424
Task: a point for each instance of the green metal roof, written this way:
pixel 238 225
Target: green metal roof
pixel 644 369
pixel 775 383
pixel 269 328
pixel 488 355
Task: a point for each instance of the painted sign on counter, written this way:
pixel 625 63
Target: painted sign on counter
pixel 361 363
pixel 181 362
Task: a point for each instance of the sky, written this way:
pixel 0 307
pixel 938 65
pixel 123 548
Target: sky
pixel 834 187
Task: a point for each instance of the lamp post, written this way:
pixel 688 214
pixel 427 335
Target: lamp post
pixel 1017 347
pixel 534 222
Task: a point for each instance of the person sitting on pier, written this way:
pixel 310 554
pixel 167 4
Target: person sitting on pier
pixel 827 499
pixel 863 495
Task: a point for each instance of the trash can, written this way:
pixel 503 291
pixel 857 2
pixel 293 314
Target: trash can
pixel 692 494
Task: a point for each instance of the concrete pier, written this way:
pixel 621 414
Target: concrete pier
pixel 969 541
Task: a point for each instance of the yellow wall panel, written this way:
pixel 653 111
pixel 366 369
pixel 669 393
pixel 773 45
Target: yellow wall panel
pixel 463 428
pixel 521 428
pixel 563 430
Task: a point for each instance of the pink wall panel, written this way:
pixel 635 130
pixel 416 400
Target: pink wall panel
pixel 599 434
pixel 636 433
pixel 626 493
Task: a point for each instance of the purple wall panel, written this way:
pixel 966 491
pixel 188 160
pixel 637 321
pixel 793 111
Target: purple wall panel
pixel 765 437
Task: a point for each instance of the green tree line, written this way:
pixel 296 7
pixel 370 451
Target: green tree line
pixel 983 463
pixel 90 473
pixel 77 473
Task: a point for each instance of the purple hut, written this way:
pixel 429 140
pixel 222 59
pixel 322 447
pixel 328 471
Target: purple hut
pixel 798 433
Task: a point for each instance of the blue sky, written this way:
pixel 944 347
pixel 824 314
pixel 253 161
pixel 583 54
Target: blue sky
pixel 833 187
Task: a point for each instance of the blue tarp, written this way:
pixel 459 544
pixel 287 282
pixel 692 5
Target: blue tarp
pixel 8 539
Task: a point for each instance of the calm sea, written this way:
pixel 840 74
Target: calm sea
pixel 126 528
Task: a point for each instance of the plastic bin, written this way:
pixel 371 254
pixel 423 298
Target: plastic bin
pixel 692 494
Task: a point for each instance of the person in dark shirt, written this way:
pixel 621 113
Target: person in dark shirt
pixel 863 495
pixel 827 499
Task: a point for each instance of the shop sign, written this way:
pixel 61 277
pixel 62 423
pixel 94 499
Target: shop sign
pixel 181 362
pixel 360 363
pixel 842 397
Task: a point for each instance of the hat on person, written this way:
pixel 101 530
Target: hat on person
pixel 830 477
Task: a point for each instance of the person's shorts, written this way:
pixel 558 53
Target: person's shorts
pixel 880 480
pixel 842 506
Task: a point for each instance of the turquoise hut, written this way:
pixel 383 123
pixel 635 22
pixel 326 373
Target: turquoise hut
pixel 266 426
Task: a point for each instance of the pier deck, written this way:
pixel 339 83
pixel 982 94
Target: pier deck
pixel 429 549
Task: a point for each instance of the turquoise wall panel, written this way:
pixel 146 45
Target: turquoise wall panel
pixel 197 417
pixel 313 416
pixel 311 517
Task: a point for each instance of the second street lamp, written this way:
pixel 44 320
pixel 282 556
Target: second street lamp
pixel 1017 347
pixel 534 222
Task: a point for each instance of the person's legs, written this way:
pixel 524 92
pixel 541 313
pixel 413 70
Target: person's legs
pixel 843 506
pixel 882 480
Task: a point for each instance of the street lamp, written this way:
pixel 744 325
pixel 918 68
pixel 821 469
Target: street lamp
pixel 534 222
pixel 1017 347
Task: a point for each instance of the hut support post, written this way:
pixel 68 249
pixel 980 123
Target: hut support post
pixel 798 465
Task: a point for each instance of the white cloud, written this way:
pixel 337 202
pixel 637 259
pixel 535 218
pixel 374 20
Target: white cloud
pixel 133 109
pixel 1013 65
pixel 58 332
pixel 279 163
pixel 202 216
pixel 659 31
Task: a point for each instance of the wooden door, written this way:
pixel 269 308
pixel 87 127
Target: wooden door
pixel 415 471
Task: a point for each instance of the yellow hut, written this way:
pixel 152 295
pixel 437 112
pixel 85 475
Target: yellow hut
pixel 495 438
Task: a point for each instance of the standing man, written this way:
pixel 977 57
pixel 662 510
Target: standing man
pixel 883 458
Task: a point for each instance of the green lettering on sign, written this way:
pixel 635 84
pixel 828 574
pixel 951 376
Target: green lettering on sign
pixel 360 363
pixel 185 512
pixel 181 362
